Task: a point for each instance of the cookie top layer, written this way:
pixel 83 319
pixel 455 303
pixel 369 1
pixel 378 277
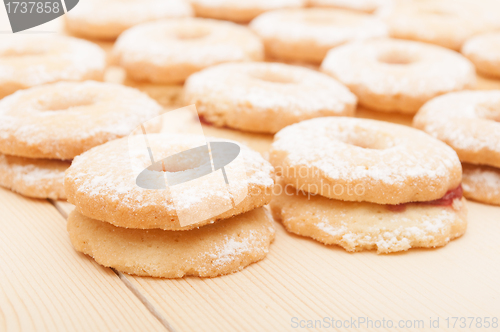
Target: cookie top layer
pixel 238 10
pixel 265 97
pixel 484 51
pixel 364 160
pixel 447 23
pixel 468 121
pixel 368 6
pixel 102 184
pixel 151 51
pixel 225 247
pixel 108 19
pixel 398 75
pixel 62 120
pixel 27 61
pixel 306 34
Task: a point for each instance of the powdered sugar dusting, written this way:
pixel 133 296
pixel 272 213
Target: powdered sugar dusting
pixel 33 177
pixel 485 47
pixel 263 5
pixel 231 86
pixel 328 145
pixel 325 27
pixel 127 13
pixel 91 110
pixel 430 70
pixel 464 120
pixel 159 42
pixel 46 59
pixel 107 172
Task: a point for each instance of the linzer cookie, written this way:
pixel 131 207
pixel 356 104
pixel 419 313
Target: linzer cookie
pixel 27 61
pixel 393 75
pixel 131 210
pixel 265 97
pixel 43 128
pixel 307 34
pixel 108 19
pixel 241 11
pixel 468 121
pixel 168 51
pixel 365 184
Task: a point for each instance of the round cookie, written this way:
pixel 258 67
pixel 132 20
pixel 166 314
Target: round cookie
pixel 108 19
pixel 368 6
pixel 38 178
pixel 242 11
pixel 392 75
pixel 481 183
pixel 27 61
pixel 222 248
pixel 484 52
pixel 62 120
pixel 308 34
pixel 358 226
pixel 101 183
pixel 364 160
pixel 468 121
pixel 169 51
pixel 265 97
pixel 446 23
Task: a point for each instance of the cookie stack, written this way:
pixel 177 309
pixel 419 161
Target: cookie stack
pixel 43 128
pixel 156 219
pixel 365 184
pixel 469 122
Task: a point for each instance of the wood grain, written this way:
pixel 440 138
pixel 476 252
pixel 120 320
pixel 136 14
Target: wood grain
pixel 305 279
pixel 45 285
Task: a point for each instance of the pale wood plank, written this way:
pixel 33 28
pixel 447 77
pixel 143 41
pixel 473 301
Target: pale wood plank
pixel 45 285
pixel 306 279
pixel 303 278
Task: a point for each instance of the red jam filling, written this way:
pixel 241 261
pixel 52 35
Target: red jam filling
pixel 204 121
pixel 446 200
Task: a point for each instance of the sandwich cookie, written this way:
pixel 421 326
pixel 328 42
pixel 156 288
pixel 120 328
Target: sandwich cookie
pixel 469 122
pixel 365 184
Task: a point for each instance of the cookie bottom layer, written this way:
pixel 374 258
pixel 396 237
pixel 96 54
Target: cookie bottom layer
pixel 38 178
pixel 358 226
pixel 481 183
pixel 217 249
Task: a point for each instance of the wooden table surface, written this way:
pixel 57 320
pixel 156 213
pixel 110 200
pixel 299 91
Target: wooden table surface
pixel 46 286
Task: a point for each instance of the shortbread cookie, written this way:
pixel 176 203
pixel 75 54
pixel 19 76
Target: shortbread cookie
pixel 398 76
pixel 484 52
pixel 481 183
pixel 265 97
pixel 446 23
pixel 368 6
pixel 364 160
pixel 169 51
pixel 39 178
pixel 108 19
pixel 102 183
pixel 62 120
pixel 29 60
pixel 308 34
pixel 222 248
pixel 242 11
pixel 358 226
pixel 468 121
